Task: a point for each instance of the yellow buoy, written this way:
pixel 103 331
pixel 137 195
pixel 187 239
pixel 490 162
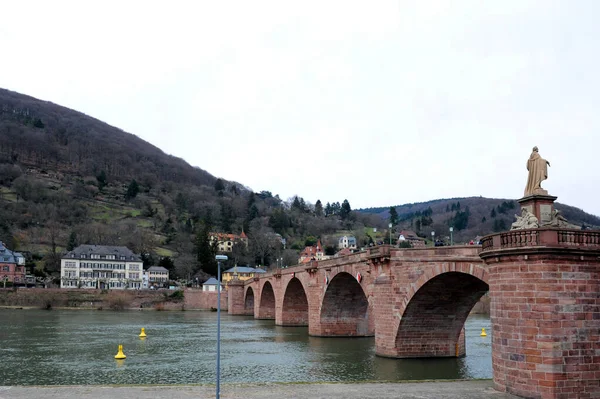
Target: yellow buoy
pixel 120 354
pixel 143 333
pixel 483 334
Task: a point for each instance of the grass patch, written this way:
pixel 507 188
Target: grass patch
pixel 163 252
pixel 145 223
pixel 7 195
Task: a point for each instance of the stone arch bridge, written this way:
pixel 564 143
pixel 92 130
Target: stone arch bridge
pixel 544 287
pixel 414 301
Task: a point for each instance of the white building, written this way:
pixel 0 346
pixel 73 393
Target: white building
pixel 211 285
pixel 101 267
pixel 347 242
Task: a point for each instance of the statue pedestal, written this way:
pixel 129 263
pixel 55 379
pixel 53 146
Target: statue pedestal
pixel 541 206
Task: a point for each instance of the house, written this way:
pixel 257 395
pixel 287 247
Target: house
pixel 411 236
pixel 347 242
pixel 315 252
pixel 12 266
pixel 211 285
pixel 157 275
pixel 243 273
pixel 102 267
pixel 225 241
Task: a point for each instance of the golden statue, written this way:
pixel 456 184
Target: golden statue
pixel 538 171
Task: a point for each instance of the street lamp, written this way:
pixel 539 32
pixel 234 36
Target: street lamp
pixel 433 238
pixel 219 258
pixel 390 226
pixel 451 238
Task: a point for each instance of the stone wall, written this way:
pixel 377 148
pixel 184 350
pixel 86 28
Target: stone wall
pixel 196 299
pixel 48 298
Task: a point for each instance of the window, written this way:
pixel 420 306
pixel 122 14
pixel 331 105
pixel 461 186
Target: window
pixel 83 256
pixel 5 268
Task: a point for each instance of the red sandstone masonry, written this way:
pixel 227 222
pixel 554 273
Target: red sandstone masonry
pixel 391 279
pixel 546 316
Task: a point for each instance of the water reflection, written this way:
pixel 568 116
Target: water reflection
pixel 78 347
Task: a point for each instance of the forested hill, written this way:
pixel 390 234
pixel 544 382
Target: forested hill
pixel 48 136
pixel 69 179
pixel 469 216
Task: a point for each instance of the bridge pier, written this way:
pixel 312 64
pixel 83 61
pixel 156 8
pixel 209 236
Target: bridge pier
pixel 545 310
pixel 235 297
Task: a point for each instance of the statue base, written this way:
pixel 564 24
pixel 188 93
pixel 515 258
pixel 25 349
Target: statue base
pixel 542 206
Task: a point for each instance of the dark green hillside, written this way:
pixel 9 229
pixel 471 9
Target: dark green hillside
pixel 470 217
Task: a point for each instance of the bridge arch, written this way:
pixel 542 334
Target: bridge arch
pixel 249 301
pixel 266 308
pixel 294 310
pixel 345 309
pixel 435 311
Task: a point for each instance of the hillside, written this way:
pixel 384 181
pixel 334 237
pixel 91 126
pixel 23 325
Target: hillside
pixel 470 217
pixel 67 179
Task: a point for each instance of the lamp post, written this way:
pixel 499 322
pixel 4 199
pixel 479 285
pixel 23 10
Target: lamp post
pixel 390 226
pixel 433 238
pixel 219 258
pixel 451 238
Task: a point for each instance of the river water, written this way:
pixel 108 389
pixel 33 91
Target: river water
pixel 68 347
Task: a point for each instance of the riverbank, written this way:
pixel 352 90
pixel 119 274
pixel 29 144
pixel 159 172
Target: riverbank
pixel 57 298
pixel 473 389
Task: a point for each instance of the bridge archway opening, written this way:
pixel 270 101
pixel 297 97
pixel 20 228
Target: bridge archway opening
pixel 266 309
pixel 294 310
pixel 249 302
pixel 433 320
pixel 345 310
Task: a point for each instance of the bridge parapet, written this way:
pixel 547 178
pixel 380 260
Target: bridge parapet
pixel 545 310
pixel 557 238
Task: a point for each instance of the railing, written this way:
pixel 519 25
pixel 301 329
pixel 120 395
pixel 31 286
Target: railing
pixel 542 237
pixel 579 238
pixel 519 238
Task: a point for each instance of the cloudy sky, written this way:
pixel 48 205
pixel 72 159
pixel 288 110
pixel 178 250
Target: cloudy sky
pixel 378 102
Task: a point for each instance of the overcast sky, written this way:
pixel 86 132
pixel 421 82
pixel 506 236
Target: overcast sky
pixel 377 102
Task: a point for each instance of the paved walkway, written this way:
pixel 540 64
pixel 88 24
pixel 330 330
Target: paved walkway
pixel 480 389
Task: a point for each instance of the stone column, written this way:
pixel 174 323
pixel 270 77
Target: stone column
pixel 235 296
pixel 545 311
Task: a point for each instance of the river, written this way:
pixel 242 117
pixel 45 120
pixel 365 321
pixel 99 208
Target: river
pixel 71 347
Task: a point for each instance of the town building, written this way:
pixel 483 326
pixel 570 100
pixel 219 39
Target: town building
pixel 211 285
pixel 411 236
pixel 226 241
pixel 243 273
pixel 157 276
pixel 347 242
pixel 12 266
pixel 101 267
pixel 314 252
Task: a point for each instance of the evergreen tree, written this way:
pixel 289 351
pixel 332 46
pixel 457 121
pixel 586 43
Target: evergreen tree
pixel 219 185
pixel 393 215
pixel 205 250
pixel 328 210
pixel 166 262
pixel 345 210
pixel 493 213
pixel 483 219
pixel 319 208
pixel 72 244
pixel 132 190
pixel 102 181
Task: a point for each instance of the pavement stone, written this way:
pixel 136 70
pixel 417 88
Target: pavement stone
pixel 472 389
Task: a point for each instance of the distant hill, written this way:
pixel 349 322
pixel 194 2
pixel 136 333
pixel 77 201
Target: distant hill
pixel 470 216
